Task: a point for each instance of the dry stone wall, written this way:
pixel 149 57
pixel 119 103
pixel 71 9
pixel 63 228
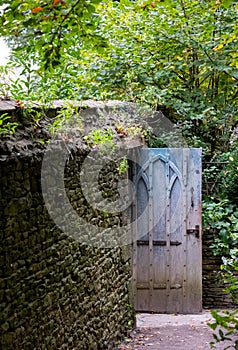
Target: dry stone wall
pixel 56 292
pixel 214 296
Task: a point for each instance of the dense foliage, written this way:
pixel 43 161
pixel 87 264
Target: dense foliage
pixel 178 54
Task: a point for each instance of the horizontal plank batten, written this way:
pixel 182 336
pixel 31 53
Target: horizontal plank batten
pixel 145 285
pixel 158 243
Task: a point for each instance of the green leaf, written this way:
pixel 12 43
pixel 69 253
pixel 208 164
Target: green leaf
pixel 226 3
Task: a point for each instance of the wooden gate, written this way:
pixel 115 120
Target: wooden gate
pixel 167 257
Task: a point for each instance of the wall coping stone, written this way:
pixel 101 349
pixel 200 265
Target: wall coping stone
pixel 31 138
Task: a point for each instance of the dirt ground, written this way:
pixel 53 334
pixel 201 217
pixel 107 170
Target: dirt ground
pixel 171 332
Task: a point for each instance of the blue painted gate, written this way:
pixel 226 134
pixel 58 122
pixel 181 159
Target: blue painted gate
pixel 167 249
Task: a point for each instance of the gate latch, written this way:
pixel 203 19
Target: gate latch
pixel 194 231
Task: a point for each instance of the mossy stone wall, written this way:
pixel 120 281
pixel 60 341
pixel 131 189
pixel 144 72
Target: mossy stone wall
pixel 56 292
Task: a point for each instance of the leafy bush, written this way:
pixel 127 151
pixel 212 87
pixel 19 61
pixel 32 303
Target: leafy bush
pixel 228 321
pixel 220 214
pixel 230 273
pixel 222 217
pixel 231 175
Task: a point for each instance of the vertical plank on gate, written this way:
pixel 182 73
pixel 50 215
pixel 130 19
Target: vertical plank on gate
pixel 134 237
pixel 143 290
pixel 184 224
pixel 159 252
pixel 142 250
pixel 167 229
pixel 193 300
pixel 150 231
pixel 175 300
pixel 159 286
